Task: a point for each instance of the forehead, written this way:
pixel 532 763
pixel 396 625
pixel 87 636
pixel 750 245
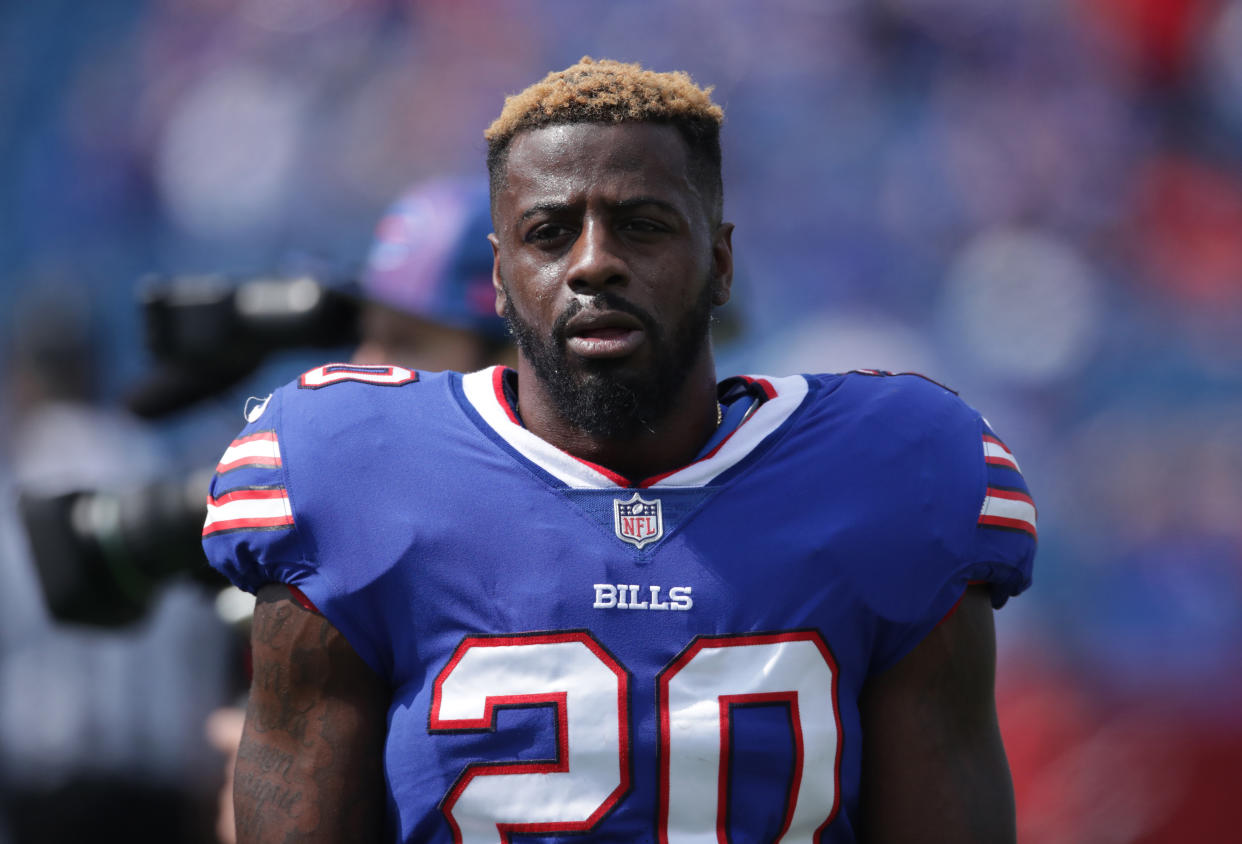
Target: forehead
pixel 574 163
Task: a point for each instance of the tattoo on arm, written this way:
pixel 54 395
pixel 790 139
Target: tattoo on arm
pixel 309 764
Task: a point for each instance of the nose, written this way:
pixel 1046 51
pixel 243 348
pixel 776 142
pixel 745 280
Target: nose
pixel 595 260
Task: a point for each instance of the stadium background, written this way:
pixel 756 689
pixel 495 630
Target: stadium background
pixel 1036 202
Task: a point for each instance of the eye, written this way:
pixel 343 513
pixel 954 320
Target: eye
pixel 546 233
pixel 643 225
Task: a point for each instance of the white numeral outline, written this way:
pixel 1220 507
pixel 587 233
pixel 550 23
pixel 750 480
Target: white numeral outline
pixel 532 670
pixel 336 373
pixel 697 692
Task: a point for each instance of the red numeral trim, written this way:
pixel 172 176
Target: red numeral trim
pixel 335 373
pixel 789 697
pixel 557 698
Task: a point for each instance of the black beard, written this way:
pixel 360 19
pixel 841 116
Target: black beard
pixel 602 398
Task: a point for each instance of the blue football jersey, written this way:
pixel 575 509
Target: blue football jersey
pixel 574 654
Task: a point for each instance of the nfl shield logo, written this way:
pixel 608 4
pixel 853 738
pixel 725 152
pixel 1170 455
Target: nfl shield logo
pixel 638 521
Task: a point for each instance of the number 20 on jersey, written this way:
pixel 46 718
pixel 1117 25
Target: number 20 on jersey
pixel 589 689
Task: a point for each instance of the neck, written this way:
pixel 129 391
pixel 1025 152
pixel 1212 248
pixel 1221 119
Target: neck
pixel 665 445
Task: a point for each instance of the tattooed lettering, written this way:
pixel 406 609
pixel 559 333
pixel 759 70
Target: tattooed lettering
pixel 309 767
pixel 266 759
pixel 267 794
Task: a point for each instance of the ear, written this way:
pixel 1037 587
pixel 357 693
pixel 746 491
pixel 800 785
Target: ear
pixel 722 264
pixel 497 285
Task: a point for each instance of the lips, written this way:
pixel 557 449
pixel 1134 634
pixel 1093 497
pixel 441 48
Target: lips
pixel 604 334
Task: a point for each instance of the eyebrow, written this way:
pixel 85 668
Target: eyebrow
pixel 622 205
pixel 542 208
pixel 639 201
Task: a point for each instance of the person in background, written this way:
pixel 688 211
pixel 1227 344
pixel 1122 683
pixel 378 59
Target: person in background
pixel 427 305
pixel 427 285
pixel 95 721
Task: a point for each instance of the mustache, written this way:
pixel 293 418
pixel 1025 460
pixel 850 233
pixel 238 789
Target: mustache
pixel 603 301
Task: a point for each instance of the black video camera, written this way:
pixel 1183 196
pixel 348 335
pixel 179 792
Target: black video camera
pixel 102 554
pixel 208 332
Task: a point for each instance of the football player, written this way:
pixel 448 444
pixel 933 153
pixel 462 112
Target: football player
pixel 601 595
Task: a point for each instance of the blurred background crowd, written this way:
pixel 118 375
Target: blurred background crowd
pixel 1036 202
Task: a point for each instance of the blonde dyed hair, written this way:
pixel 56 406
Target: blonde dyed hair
pixel 605 92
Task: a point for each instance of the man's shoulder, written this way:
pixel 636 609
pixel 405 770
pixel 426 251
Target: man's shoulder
pixel 347 385
pixel 332 441
pixel 333 399
pixel 851 409
pixel 333 422
pixel 878 384
pixel 895 400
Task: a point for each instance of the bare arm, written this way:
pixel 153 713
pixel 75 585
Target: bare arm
pixel 309 768
pixel 934 767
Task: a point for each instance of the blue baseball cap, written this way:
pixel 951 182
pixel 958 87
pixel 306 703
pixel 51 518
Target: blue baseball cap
pixel 430 257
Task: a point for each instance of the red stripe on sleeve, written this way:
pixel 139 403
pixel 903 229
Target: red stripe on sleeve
pixel 296 594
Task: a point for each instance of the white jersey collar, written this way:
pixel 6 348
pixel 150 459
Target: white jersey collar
pixel 485 392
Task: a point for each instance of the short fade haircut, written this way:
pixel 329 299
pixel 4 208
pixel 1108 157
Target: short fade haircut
pixel 607 91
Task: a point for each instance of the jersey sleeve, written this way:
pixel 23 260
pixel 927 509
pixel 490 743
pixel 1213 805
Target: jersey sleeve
pixel 250 535
pixel 294 499
pixel 1005 534
pixel 966 513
